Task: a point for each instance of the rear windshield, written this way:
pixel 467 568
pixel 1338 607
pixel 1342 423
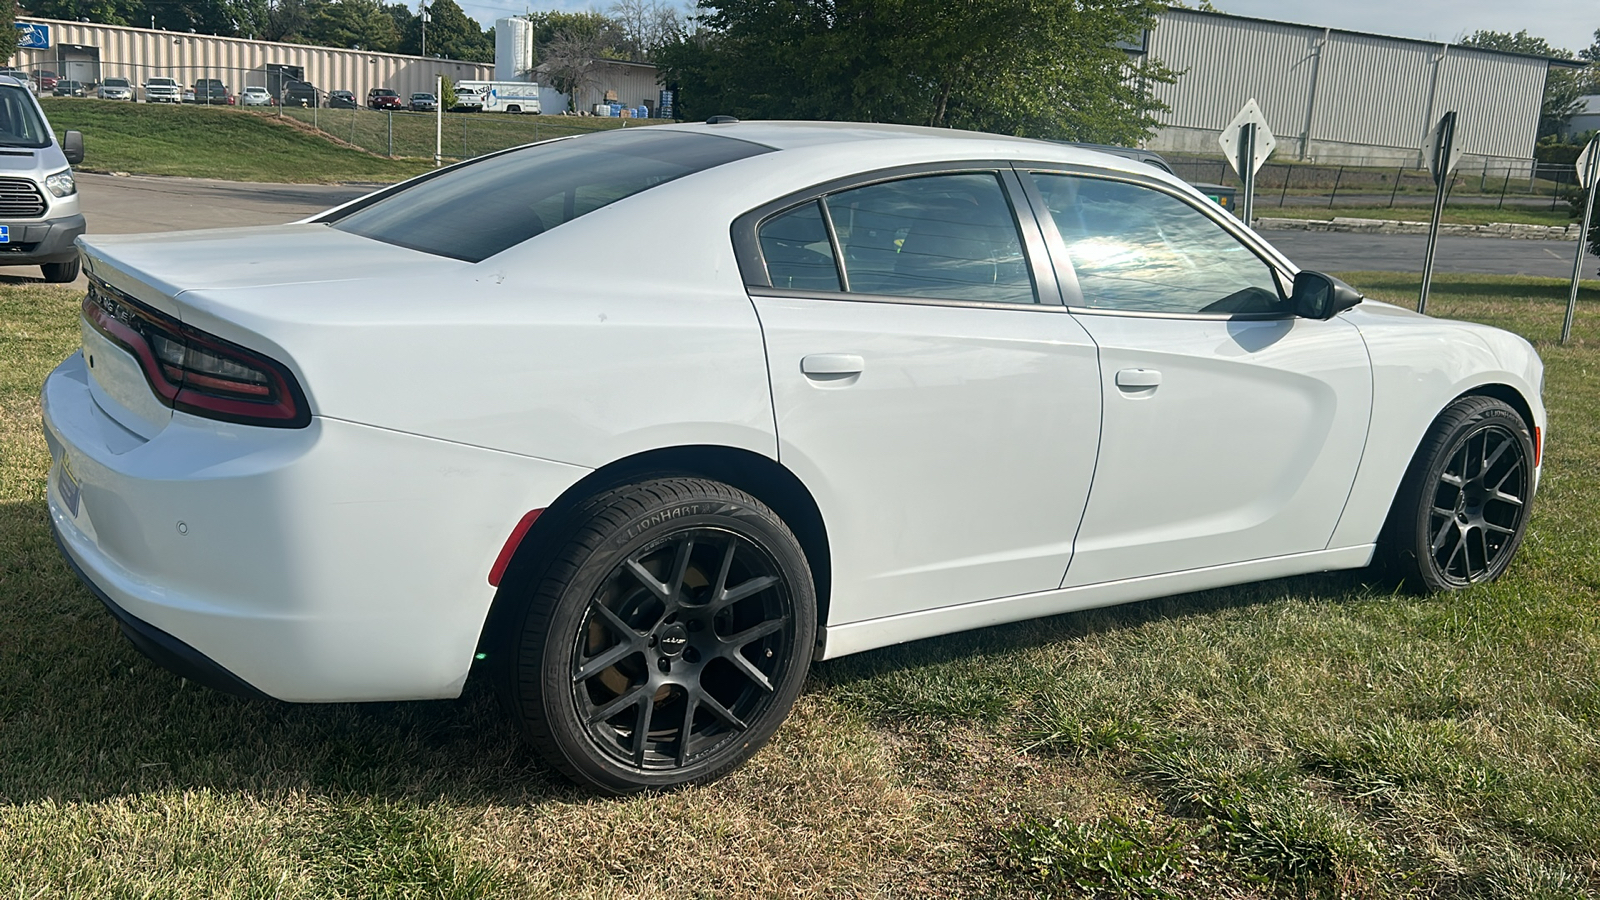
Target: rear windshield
pixel 476 210
pixel 20 123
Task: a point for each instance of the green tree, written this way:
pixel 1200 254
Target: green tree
pixel 1561 90
pixel 451 34
pixel 1040 68
pixel 8 31
pixel 354 24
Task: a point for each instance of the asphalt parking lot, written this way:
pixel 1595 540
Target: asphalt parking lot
pixel 132 204
pixel 138 203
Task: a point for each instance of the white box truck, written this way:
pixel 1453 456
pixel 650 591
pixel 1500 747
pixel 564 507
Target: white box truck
pixel 498 96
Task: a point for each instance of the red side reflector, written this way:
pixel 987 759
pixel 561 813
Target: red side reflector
pixel 502 561
pixel 1538 446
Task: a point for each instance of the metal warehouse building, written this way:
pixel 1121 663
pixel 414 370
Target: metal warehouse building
pixel 90 53
pixel 1339 96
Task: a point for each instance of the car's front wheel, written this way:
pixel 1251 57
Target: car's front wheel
pixel 1463 508
pixel 61 272
pixel 666 639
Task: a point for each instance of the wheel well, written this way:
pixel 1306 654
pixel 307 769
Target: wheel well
pixel 762 478
pixel 1506 394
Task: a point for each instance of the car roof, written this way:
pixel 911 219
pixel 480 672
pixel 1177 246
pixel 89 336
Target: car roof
pixel 886 142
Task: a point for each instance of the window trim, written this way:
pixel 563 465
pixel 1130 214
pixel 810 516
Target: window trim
pixel 745 233
pixel 1282 270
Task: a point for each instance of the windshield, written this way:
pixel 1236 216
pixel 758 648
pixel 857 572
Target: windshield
pixel 116 82
pixel 475 210
pixel 20 123
pixel 161 82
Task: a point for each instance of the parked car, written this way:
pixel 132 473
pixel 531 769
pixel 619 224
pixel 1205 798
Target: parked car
pixel 39 213
pixel 188 95
pixel 21 77
pixel 256 95
pixel 423 102
pixel 341 100
pixel 161 89
pixel 67 87
pixel 854 386
pixel 45 79
pixel 115 88
pixel 210 92
pixel 300 93
pixel 383 98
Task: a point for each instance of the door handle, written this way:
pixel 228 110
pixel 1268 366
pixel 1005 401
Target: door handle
pixel 835 365
pixel 1138 379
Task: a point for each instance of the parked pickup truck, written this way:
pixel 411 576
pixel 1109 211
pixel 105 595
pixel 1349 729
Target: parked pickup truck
pixel 160 89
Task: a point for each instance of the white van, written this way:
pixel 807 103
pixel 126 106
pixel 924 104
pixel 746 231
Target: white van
pixel 498 96
pixel 39 214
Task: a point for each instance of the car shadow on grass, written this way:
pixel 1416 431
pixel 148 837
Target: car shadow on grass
pixel 84 716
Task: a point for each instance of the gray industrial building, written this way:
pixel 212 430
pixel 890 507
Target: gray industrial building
pixel 1340 96
pixel 87 52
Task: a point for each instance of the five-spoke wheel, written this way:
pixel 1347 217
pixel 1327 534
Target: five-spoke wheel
pixel 1464 507
pixel 668 639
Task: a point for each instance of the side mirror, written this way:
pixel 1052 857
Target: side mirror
pixel 72 147
pixel 1319 296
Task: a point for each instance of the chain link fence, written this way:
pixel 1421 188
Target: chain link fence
pixel 462 135
pixel 1491 184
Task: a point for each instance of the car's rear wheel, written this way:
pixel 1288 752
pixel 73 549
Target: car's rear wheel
pixel 1463 508
pixel 666 639
pixel 61 272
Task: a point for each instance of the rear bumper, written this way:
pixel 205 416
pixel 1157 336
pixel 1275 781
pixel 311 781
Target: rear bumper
pixel 336 562
pixel 163 649
pixel 33 243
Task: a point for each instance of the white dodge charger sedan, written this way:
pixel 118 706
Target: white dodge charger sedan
pixel 648 420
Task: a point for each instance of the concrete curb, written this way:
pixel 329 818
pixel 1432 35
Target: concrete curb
pixel 1394 226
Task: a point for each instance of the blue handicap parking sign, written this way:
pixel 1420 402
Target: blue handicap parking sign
pixel 5 234
pixel 33 35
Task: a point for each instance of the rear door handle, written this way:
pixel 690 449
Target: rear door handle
pixel 835 365
pixel 1138 379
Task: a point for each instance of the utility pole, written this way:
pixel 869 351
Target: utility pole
pixel 424 7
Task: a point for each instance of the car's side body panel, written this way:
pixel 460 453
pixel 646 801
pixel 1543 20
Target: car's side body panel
pixel 1419 365
pixel 1244 450
pixel 954 466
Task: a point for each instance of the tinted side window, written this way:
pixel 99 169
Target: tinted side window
pixel 1139 249
pixel 948 237
pixel 797 251
pixel 477 210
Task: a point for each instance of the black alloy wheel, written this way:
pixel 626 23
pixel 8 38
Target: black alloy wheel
pixel 1464 507
pixel 668 638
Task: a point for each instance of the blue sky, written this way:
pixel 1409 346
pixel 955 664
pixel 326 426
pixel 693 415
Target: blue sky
pixel 1564 23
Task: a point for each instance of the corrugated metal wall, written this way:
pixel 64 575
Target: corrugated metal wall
pixel 1372 92
pixel 137 53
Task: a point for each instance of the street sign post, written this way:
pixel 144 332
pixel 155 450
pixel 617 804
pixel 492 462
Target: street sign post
pixel 1588 166
pixel 1247 142
pixel 1443 153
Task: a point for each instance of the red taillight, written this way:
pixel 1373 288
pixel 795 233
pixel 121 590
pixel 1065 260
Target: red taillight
pixel 196 372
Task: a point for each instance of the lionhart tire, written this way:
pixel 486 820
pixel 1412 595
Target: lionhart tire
pixel 668 638
pixel 1463 509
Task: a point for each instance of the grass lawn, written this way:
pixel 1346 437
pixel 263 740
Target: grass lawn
pixel 1455 215
pixel 195 141
pixel 1315 736
pixel 461 135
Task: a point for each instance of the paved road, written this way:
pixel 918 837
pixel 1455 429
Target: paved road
pixel 1341 252
pixel 134 204
pixel 129 205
